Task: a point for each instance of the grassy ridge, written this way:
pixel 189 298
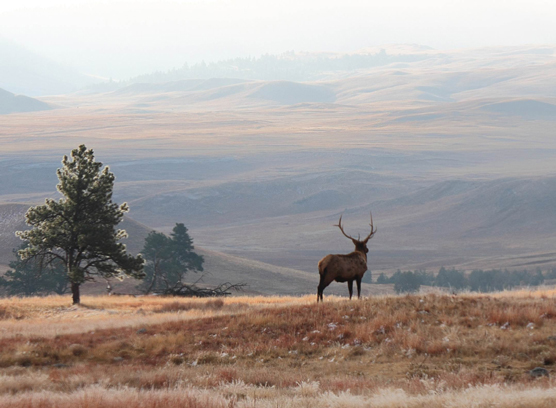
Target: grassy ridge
pixel 280 351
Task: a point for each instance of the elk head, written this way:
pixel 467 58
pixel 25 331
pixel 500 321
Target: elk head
pixel 360 244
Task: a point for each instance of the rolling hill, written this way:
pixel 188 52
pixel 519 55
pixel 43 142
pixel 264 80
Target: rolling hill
pixel 10 103
pixel 219 268
pixel 453 152
pixel 227 90
pixel 528 108
pixel 433 80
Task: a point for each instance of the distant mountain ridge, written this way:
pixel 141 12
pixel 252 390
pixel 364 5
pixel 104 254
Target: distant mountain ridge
pixel 25 72
pixel 11 103
pixel 528 108
pixel 196 90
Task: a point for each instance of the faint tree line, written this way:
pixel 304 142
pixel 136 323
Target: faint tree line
pixel 288 66
pixel 478 280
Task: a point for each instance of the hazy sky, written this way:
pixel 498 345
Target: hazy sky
pixel 121 38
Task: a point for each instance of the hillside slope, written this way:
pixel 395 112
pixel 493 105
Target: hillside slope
pixel 412 351
pixel 11 103
pixel 453 153
pixel 218 267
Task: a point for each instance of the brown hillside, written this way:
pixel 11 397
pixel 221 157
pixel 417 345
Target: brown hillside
pixel 218 268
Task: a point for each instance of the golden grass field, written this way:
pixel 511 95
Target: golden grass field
pixel 433 350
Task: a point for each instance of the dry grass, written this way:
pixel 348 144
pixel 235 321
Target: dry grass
pixel 53 316
pixel 39 305
pixel 305 395
pixel 216 304
pixel 411 351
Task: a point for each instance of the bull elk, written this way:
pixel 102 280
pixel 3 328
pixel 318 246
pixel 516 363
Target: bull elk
pixel 345 268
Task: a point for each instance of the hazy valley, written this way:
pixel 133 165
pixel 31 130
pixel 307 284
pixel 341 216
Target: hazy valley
pixel 452 151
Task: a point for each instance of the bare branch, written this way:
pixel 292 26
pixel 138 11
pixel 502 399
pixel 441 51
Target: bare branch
pixel 192 290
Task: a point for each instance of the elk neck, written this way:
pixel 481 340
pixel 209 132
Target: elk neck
pixel 361 253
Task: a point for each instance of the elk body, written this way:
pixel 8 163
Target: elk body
pixel 345 268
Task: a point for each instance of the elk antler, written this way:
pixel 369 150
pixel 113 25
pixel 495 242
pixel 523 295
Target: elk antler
pixel 342 229
pixel 373 230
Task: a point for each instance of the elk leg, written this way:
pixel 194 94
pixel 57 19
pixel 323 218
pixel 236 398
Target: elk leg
pixel 325 280
pixel 358 281
pixel 320 288
pixel 320 295
pixel 350 287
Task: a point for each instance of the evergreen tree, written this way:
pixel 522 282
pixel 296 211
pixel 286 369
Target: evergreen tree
pixel 451 278
pixel 79 229
pixel 168 259
pixel 26 278
pixel 381 280
pixel 395 277
pixel 407 282
pixel 368 277
pixel 538 278
pixel 551 274
pixel 425 278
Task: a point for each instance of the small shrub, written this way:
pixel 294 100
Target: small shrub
pixel 227 375
pixel 549 359
pixel 24 361
pixel 77 350
pixel 356 352
pixel 215 304
pixel 208 358
pixel 4 313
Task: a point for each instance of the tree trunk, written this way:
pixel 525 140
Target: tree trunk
pixel 75 292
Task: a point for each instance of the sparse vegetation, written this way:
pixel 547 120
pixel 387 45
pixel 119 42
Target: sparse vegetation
pixel 493 280
pixel 183 306
pixel 428 350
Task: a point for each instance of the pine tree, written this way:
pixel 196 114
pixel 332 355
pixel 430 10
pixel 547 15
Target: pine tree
pixel 368 277
pixel 79 229
pixel 168 259
pixel 407 282
pixel 27 278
